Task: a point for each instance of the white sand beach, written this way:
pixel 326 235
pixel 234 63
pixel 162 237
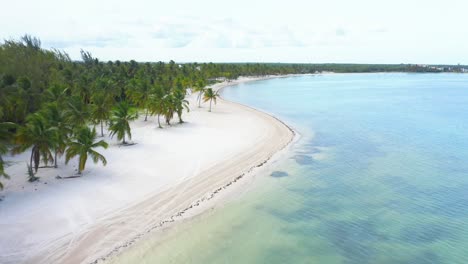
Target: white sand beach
pixel 143 186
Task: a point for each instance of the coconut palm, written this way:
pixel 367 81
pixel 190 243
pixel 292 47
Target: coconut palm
pixel 156 104
pixel 100 109
pixel 38 135
pixel 169 108
pixel 200 88
pixel 119 122
pixel 211 96
pixel 82 145
pixel 139 91
pixel 180 103
pixel 57 119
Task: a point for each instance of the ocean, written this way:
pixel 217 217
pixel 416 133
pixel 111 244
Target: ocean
pixel 379 175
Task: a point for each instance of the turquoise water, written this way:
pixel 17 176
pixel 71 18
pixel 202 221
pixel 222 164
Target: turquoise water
pixel 380 175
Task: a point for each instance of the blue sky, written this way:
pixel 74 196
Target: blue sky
pixel 359 31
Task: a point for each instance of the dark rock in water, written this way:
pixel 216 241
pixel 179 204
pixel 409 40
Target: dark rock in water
pixel 303 159
pixel 279 174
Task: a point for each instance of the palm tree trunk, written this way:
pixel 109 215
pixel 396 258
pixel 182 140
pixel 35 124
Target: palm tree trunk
pixel 79 164
pixel 199 99
pixel 159 122
pixel 55 158
pixel 31 159
pixel 146 115
pixel 210 104
pixel 179 113
pixel 37 159
pixel 102 131
pixel 124 139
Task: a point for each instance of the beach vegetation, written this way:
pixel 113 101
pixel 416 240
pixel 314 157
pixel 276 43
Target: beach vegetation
pixel 83 145
pixel 210 95
pixel 101 104
pixel 39 136
pixel 121 116
pixel 5 136
pixel 50 97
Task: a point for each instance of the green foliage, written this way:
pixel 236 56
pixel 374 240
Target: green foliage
pixel 3 174
pixel 38 135
pixel 77 112
pixel 120 121
pixel 139 92
pixel 61 129
pixel 180 104
pixel 210 95
pixel 82 145
pixel 48 95
pixel 101 104
pixel 5 137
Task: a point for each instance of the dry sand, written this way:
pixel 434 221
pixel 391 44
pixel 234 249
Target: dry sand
pixel 168 175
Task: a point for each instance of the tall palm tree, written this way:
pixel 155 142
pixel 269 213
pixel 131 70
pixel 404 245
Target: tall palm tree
pixel 38 135
pixel 211 96
pixel 180 103
pixel 200 88
pixel 119 122
pixel 82 145
pixel 57 120
pixel 139 91
pixel 100 109
pixel 168 108
pixel 156 104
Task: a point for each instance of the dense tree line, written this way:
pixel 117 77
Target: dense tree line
pixel 48 102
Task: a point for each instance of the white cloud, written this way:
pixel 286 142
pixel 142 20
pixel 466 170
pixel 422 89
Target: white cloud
pixel 247 30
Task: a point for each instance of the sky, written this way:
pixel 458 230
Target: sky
pixel 326 31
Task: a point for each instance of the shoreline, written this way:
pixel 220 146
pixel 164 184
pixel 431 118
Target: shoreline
pixel 99 239
pixel 201 204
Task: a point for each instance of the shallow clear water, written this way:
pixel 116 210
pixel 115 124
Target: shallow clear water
pixel 380 175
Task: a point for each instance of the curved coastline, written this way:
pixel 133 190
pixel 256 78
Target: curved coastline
pixel 114 233
pixel 198 203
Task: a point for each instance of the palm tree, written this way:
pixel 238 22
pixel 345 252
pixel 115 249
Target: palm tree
pixel 139 92
pixel 100 109
pixel 56 93
pixel 37 134
pixel 210 95
pixel 5 136
pixel 168 108
pixel 77 112
pixel 119 123
pixel 156 104
pixel 83 145
pixel 200 88
pixel 57 120
pixel 180 103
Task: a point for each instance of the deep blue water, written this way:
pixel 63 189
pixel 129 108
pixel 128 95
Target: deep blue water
pixel 380 175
